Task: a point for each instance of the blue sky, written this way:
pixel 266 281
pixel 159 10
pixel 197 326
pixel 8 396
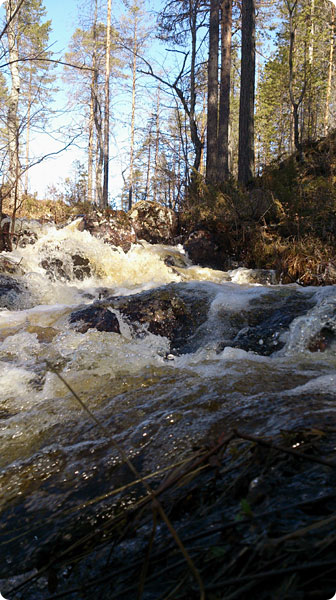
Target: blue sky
pixel 64 15
pixel 65 18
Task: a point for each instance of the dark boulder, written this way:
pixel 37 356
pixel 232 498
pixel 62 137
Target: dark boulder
pixel 175 311
pixel 153 222
pixel 266 325
pixel 81 267
pixel 209 249
pixel 5 236
pixel 13 293
pixel 95 317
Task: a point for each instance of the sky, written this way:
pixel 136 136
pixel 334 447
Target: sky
pixel 63 14
pixel 64 17
pixel 52 171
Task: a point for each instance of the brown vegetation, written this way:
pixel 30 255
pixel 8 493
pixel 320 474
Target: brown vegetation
pixel 285 221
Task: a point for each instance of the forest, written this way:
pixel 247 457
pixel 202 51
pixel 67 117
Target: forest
pixel 168 343
pixel 196 105
pixel 214 93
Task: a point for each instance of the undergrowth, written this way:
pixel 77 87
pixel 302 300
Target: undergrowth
pixel 285 220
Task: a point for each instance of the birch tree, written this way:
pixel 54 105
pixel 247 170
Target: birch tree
pixel 106 151
pixel 13 101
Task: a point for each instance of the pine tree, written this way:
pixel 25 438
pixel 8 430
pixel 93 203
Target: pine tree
pixel 36 73
pixel 212 124
pixel 246 105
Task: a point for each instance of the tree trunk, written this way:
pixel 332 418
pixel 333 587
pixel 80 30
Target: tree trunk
pixel 90 150
pixel 26 186
pixel 12 118
pixel 330 70
pixel 295 103
pixel 107 107
pixel 193 11
pixel 212 123
pixel 157 144
pixel 97 117
pixel 246 104
pixel 135 49
pixel 224 98
pixel 148 163
pixel 203 133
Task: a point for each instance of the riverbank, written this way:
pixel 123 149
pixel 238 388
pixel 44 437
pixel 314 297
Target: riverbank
pixel 285 220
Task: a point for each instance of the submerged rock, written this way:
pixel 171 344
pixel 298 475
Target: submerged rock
pixel 60 265
pixel 260 276
pixel 264 334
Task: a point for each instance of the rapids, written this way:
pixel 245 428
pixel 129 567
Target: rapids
pixel 263 358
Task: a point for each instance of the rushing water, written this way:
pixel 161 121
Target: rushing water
pixel 263 359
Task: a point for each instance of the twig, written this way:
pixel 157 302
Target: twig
pixel 296 453
pixel 148 553
pixel 302 531
pixel 272 573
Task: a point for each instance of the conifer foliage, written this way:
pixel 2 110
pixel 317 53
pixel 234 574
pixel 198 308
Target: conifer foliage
pixel 198 91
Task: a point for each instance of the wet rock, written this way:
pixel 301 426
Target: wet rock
pixel 153 222
pixel 175 311
pixel 209 249
pixel 81 267
pixel 323 340
pixel 55 268
pixel 13 293
pixel 27 231
pixel 5 237
pixel 261 276
pixel 10 265
pixel 25 238
pixel 59 265
pixel 114 227
pixel 95 317
pixel 201 247
pixel 176 260
pixel 264 333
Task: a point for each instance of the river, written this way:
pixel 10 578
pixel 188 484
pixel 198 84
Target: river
pixel 261 357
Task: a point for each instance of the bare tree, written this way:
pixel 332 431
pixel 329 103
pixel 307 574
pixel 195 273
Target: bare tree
pixel 330 70
pixel 224 98
pixel 291 7
pixel 212 121
pixel 107 106
pixel 246 105
pixel 13 102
